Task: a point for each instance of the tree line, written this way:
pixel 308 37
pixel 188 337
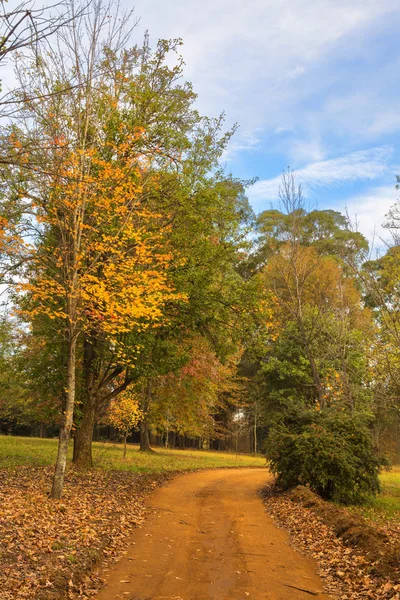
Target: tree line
pixel 141 291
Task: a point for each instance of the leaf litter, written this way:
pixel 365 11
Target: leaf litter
pixel 349 573
pixel 51 549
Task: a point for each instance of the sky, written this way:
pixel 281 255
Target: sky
pixel 312 84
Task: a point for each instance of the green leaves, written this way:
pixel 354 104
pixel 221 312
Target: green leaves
pixel 332 453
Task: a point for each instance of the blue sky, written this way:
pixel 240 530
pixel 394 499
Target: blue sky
pixel 312 84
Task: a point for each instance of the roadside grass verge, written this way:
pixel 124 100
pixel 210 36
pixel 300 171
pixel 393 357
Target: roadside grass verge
pixel 22 451
pixel 385 508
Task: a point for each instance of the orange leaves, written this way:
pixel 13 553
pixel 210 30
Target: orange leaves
pixel 336 389
pixel 59 141
pixel 15 142
pixel 268 316
pixel 107 265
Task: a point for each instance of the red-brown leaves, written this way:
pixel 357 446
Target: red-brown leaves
pixel 47 548
pixel 347 573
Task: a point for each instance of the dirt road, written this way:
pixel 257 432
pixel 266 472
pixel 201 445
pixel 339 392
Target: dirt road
pixel 208 538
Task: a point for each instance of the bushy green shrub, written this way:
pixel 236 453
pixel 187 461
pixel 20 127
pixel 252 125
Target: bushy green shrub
pixel 331 453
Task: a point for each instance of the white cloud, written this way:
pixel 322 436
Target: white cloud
pixel 294 73
pixel 369 210
pixel 357 166
pixel 301 151
pixel 256 59
pixel 245 141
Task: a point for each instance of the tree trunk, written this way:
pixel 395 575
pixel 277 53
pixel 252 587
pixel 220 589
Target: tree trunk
pixel 255 433
pixel 125 436
pixel 66 426
pixel 316 379
pixel 144 436
pixel 83 440
pixel 313 364
pixel 42 430
pixel 144 424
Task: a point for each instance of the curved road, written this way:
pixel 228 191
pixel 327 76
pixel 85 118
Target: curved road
pixel 208 537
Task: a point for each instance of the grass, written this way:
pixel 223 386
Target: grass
pixel 386 506
pixel 389 500
pixel 22 451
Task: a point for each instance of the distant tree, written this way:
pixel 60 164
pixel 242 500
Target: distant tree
pixel 124 413
pixel 186 401
pixel 31 384
pixel 309 360
pixel 328 231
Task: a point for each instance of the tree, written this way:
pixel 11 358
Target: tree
pixel 32 373
pixel 124 414
pixel 380 281
pixel 185 401
pixel 96 261
pixel 203 211
pixel 149 98
pixel 327 231
pixel 310 356
pixel 25 26
pixel 307 287
pixel 331 452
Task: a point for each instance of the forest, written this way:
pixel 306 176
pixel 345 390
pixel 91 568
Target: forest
pixel 144 300
pixel 152 322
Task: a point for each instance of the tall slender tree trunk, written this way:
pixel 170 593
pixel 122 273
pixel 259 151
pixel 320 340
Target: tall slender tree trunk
pixel 316 378
pixel 125 436
pixel 144 424
pixel 313 364
pixel 255 433
pixel 66 427
pixel 144 436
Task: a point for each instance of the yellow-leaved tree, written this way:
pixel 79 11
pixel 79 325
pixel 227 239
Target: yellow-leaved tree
pixel 100 263
pixel 124 413
pixel 87 251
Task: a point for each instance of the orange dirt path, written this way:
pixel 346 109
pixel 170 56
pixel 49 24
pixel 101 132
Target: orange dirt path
pixel 208 537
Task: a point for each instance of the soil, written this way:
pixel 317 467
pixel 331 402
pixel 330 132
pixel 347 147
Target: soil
pixel 208 537
pixel 382 551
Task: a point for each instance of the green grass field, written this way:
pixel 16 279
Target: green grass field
pixel 386 506
pixel 19 451
pixel 23 451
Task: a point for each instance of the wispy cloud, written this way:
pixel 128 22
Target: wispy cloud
pixel 302 151
pixel 356 166
pixel 369 211
pixel 246 141
pixel 260 60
